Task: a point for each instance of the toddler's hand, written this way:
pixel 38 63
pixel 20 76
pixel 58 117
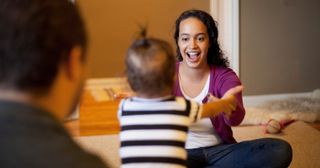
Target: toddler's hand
pixel 123 95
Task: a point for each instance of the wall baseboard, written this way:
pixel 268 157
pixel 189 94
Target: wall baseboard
pixel 251 101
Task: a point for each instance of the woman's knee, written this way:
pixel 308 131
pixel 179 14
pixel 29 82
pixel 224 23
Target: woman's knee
pixel 282 150
pixel 285 147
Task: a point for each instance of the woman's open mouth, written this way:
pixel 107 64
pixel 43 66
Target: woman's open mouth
pixel 193 56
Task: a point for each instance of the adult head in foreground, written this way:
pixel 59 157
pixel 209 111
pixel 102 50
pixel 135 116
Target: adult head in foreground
pixel 42 63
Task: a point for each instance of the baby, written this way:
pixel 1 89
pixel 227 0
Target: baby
pixel 154 123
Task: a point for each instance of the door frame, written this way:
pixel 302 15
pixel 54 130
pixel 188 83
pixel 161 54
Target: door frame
pixel 226 13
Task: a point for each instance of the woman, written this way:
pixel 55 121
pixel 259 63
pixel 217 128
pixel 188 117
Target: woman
pixel 203 75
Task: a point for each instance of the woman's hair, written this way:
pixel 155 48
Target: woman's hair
pixel 215 55
pixel 150 65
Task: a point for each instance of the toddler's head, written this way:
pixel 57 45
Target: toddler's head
pixel 150 67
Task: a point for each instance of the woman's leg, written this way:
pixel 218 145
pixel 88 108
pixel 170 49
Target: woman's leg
pixel 266 152
pixel 196 158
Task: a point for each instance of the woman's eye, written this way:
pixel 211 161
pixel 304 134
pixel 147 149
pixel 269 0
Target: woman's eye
pixel 184 39
pixel 200 38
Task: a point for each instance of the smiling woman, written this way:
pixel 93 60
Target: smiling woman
pixel 203 75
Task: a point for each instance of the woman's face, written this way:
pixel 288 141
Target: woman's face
pixel 193 42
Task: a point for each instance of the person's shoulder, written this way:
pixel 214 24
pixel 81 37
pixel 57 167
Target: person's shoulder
pixel 222 72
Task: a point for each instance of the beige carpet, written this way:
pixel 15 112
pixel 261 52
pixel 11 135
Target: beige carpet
pixel 304 139
pixel 106 146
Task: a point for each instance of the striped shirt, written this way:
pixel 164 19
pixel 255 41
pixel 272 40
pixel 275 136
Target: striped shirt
pixel 154 131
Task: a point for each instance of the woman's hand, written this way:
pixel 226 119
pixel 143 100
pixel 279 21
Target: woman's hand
pixel 226 104
pixel 230 92
pixel 229 96
pixel 233 91
pixel 211 98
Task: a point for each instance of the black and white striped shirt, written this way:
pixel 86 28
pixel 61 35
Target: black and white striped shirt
pixel 154 131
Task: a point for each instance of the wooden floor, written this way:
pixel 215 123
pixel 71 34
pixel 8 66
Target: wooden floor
pixel 100 118
pixel 315 125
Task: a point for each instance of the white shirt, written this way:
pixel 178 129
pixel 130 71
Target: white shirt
pixel 201 133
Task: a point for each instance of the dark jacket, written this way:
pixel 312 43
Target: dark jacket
pixel 32 138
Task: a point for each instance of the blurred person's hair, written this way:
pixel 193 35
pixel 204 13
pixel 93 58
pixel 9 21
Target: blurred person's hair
pixel 36 37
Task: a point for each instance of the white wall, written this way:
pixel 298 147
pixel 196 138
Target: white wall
pixel 113 25
pixel 280 45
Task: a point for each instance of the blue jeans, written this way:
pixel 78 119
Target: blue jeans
pixel 262 153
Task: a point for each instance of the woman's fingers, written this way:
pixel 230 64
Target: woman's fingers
pixel 212 98
pixel 233 91
pixel 231 105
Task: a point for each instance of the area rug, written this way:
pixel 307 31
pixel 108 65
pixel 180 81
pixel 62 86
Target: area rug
pixel 304 140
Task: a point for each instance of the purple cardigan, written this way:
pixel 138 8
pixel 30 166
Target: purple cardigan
pixel 221 80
